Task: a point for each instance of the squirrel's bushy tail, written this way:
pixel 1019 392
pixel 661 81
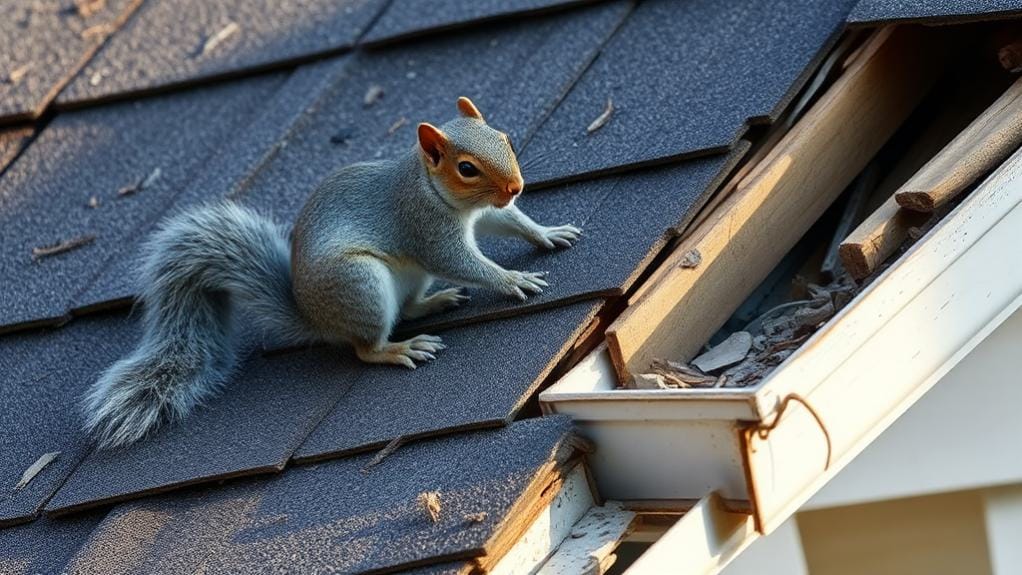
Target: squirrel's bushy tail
pixel 197 266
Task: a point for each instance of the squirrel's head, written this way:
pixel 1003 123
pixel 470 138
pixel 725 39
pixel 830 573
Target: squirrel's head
pixel 470 162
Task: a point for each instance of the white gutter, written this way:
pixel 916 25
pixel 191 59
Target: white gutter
pixel 859 373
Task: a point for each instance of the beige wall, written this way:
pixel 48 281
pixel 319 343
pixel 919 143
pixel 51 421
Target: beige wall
pixel 931 535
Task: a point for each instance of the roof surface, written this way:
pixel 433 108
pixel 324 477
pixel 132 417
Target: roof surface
pixel 116 114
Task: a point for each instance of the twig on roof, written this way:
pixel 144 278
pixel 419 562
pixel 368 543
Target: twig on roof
pixel 374 93
pixel 602 119
pixel 141 184
pixel 86 8
pixel 61 247
pixel 18 74
pixel 99 30
pixel 34 469
pixel 397 125
pixel 216 39
pixel 383 453
pixel 430 503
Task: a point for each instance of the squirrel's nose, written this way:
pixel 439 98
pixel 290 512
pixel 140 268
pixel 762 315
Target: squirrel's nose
pixel 515 188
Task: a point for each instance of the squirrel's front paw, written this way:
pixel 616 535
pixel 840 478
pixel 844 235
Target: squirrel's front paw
pixel 521 284
pixel 554 237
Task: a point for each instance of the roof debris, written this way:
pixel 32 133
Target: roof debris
pixel 729 352
pixel 602 119
pixel 141 183
pixel 691 259
pixel 93 202
pixel 476 517
pixel 87 8
pixel 216 39
pixel 397 125
pixel 374 93
pixel 39 253
pixel 383 453
pixel 34 469
pixel 97 31
pixel 15 76
pixel 430 503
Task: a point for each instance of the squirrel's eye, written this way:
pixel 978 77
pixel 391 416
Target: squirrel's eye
pixel 467 170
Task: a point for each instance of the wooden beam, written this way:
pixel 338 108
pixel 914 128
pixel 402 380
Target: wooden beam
pixel 987 141
pixel 877 237
pixel 702 542
pixel 590 546
pixel 776 203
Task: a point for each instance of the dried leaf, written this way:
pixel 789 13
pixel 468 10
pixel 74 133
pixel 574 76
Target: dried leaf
pixel 430 503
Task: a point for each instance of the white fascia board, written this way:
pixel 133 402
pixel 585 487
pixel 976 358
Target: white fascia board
pixel 860 372
pixel 702 542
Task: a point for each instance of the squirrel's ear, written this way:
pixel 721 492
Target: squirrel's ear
pixel 432 141
pixel 468 109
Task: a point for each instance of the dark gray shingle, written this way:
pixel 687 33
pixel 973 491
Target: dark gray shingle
pixel 405 18
pixel 877 11
pixel 684 79
pixel 483 378
pixel 163 45
pixel 45 195
pixel 340 516
pixel 43 375
pixel 43 44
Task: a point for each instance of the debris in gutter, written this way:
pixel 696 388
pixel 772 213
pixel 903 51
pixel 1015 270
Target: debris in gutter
pixel 374 93
pixel 430 503
pixel 397 125
pixel 34 469
pixel 650 381
pixel 18 74
pixel 602 119
pixel 141 184
pixel 729 352
pixel 39 253
pixel 216 39
pixel 691 259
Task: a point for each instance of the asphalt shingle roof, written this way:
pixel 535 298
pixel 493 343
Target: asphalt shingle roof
pixel 273 474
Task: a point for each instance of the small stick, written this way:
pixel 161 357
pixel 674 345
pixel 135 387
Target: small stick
pixel 64 246
pixel 18 74
pixel 602 119
pixel 213 41
pixel 396 125
pixel 383 453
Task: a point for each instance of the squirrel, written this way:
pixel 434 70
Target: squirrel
pixel 363 254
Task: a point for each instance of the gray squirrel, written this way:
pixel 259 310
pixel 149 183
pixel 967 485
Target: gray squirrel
pixel 364 252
